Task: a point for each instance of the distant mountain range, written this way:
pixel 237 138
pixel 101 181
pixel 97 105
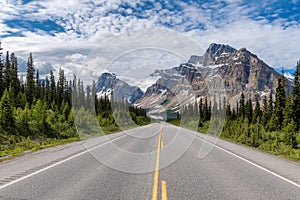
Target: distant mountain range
pixel 221 67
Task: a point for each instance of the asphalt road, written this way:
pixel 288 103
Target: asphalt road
pixel 158 161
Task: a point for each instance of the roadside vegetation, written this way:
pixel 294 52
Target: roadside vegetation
pixel 273 126
pixel 37 113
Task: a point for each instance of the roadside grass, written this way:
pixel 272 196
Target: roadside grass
pixel 279 149
pixel 26 145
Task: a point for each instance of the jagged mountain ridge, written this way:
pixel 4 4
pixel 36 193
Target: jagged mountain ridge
pixel 109 82
pixel 237 71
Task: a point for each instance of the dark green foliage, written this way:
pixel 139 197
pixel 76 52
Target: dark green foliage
pixel 279 102
pixel 7 121
pixel 30 83
pixel 296 96
pixel 242 106
pixel 1 75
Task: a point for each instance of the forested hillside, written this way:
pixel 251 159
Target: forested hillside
pixel 37 112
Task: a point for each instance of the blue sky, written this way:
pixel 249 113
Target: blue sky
pixel 63 33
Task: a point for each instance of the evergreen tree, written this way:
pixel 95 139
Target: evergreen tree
pixel 94 95
pixel 60 86
pixel 228 112
pixel 52 88
pixel 48 92
pixel 206 115
pixel 289 125
pixel 201 114
pixel 249 110
pixel 1 73
pixel 88 97
pixel 15 82
pixel 288 111
pixel 296 96
pixel 38 90
pixel 242 106
pixel 280 101
pixel 7 72
pixel 30 83
pixel 265 117
pixel 257 112
pixel 7 121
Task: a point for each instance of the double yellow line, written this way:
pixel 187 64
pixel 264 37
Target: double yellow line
pixel 155 183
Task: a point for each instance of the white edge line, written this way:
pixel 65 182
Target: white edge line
pixel 58 163
pixel 250 162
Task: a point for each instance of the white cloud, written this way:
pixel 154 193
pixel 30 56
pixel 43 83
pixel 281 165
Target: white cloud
pixel 89 24
pixel 276 45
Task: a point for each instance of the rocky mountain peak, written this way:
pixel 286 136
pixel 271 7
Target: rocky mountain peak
pixel 217 49
pixel 109 82
pixel 214 50
pixel 106 81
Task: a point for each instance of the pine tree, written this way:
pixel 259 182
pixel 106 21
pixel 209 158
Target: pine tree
pixel 1 73
pixel 270 106
pixel 257 112
pixel 201 114
pixel 15 82
pixel 94 95
pixel 88 100
pixel 242 106
pixel 228 112
pixel 206 115
pixel 288 111
pixel 1 77
pixel 38 90
pixel 280 101
pixel 7 121
pixel 265 117
pixel 296 96
pixel 60 87
pixel 249 110
pixel 7 72
pixel 30 83
pixel 52 88
pixel 289 125
pixel 48 92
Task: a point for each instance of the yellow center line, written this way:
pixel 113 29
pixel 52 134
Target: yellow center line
pixel 155 183
pixel 164 190
pixel 162 145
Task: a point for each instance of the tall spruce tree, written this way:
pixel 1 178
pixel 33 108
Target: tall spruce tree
pixel 52 88
pixel 1 74
pixel 6 113
pixel 7 72
pixel 265 117
pixel 257 112
pixel 296 96
pixel 280 101
pixel 249 110
pixel 38 90
pixel 15 81
pixel 242 106
pixel 30 83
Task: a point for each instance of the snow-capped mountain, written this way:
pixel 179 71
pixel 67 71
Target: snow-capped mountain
pixel 221 70
pixel 109 82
